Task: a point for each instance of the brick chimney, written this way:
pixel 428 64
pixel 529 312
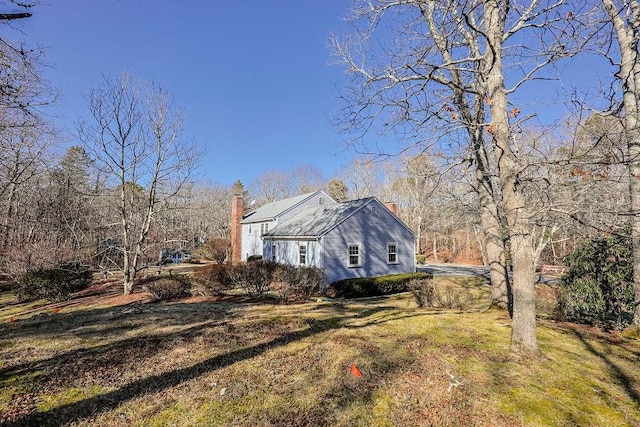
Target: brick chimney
pixel 393 207
pixel 237 204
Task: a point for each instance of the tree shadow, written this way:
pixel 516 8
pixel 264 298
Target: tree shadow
pixel 111 356
pixel 627 382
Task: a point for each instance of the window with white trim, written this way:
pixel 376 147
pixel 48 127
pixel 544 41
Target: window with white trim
pixel 303 254
pixel 354 255
pixel 249 228
pixel 273 253
pixel 392 253
pixel 264 227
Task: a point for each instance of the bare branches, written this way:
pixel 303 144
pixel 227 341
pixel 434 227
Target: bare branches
pixel 135 137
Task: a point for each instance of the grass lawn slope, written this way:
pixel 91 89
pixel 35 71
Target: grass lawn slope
pixel 205 362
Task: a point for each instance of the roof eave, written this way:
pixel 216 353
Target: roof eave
pixel 290 237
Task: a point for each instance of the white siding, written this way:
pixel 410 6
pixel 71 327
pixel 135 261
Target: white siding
pixel 252 242
pixel 288 252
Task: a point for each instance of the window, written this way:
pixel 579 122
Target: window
pixel 321 200
pixel 264 227
pixel 374 209
pixel 392 253
pixel 303 254
pixel 249 228
pixel 354 255
pixel 273 253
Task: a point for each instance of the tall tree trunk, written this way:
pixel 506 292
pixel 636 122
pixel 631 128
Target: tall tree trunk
pixel 629 76
pixel 501 294
pixel 8 221
pixel 523 332
pixel 435 247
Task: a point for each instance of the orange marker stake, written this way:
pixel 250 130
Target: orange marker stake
pixel 355 371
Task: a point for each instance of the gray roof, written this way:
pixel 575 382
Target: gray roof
pixel 316 222
pixel 272 210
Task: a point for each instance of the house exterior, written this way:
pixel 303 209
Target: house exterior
pixel 358 238
pixel 247 230
pixel 173 255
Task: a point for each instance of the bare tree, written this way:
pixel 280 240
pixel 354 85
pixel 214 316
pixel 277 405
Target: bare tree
pixel 134 136
pixel 271 186
pixel 275 185
pixel 433 73
pixel 307 178
pixel 362 177
pixel 624 16
pixel 338 190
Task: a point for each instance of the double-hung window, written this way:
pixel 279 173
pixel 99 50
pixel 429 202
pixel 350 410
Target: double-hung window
pixel 303 254
pixel 354 255
pixel 392 253
pixel 273 253
pixel 264 227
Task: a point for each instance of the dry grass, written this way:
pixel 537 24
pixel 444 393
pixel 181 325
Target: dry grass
pixel 212 362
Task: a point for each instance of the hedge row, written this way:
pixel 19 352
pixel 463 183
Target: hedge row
pixel 374 286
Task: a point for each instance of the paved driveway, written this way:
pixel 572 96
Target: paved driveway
pixel 454 269
pixel 474 270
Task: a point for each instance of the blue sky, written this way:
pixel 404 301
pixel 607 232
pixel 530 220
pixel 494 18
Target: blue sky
pixel 254 76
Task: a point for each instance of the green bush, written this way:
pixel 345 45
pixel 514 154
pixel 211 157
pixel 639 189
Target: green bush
pixel 253 258
pixel 167 287
pixel 253 277
pixel 421 259
pixel 374 286
pixel 54 284
pixel 597 285
pixel 295 283
pixel 214 279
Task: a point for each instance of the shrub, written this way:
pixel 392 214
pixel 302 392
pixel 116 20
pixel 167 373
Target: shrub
pixel 427 294
pixel 421 259
pixel 218 249
pixel 214 279
pixel 374 286
pixel 451 296
pixel 54 284
pixel 253 277
pixel 167 287
pixel 293 283
pixel 253 258
pixel 423 291
pixel 597 285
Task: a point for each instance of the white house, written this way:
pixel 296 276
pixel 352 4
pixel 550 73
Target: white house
pixel 247 230
pixel 357 238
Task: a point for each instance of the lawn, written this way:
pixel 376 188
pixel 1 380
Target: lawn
pixel 109 360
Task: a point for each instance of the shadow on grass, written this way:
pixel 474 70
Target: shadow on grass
pixel 626 381
pixel 114 355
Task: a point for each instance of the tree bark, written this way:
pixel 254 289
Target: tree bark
pixel 629 75
pixel 523 331
pixel 501 295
